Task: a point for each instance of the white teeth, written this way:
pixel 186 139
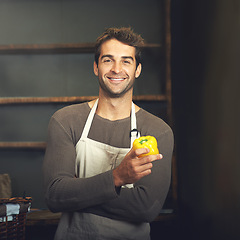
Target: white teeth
pixel 117 79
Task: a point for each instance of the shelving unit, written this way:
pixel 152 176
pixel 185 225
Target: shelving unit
pixel 72 99
pixel 21 145
pixel 46 100
pixel 54 48
pixel 78 48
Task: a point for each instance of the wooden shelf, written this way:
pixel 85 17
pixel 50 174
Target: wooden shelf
pixel 42 218
pixel 55 48
pixel 72 99
pixel 22 145
pixel 46 217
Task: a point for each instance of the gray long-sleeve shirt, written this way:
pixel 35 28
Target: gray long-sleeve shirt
pixel 97 195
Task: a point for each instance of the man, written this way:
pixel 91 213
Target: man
pixel 91 173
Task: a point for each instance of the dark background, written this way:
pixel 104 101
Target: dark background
pixel 205 79
pixel 205 87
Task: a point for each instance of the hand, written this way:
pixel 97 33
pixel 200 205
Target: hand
pixel 132 168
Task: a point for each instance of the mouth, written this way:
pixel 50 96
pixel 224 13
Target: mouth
pixel 116 79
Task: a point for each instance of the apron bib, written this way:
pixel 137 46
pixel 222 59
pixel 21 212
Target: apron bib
pixel 94 157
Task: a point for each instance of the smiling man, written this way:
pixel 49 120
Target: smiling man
pixel 117 69
pixel 91 172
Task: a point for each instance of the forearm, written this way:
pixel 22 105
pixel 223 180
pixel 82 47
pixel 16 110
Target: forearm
pixel 63 191
pixel 75 194
pixel 141 203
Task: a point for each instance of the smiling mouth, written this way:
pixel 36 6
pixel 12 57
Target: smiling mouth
pixel 116 79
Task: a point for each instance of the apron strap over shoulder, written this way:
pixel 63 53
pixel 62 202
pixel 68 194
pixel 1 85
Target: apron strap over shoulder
pixel 89 120
pixel 133 134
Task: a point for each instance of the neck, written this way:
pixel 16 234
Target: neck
pixel 114 108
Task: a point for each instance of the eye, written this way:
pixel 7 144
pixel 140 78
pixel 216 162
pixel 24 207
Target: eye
pixel 107 60
pixel 127 61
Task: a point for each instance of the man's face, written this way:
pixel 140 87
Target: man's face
pixel 116 68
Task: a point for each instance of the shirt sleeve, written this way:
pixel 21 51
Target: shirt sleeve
pixel 63 191
pixel 143 202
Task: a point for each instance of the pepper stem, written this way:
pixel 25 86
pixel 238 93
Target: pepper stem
pixel 143 141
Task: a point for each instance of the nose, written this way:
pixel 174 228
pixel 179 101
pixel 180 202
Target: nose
pixel 116 67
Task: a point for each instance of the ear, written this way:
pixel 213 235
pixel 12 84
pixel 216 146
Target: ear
pixel 95 68
pixel 138 70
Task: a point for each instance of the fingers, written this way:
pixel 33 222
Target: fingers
pixel 140 151
pixel 133 167
pixel 144 163
pixel 142 166
pixel 149 158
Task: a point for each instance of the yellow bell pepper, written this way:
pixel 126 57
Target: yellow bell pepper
pixel 149 142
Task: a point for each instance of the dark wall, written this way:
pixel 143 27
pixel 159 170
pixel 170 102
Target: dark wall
pixel 46 75
pixel 205 75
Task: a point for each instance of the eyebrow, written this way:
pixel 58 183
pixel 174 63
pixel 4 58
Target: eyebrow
pixel 128 57
pixel 111 56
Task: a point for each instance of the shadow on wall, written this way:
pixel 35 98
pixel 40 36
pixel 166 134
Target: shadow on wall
pixel 205 74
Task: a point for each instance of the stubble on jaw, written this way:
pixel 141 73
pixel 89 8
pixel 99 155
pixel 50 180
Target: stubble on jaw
pixel 110 93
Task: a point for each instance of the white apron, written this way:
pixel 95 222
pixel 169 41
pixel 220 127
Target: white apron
pixel 95 157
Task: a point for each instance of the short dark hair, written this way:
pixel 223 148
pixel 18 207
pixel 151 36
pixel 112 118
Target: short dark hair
pixel 124 35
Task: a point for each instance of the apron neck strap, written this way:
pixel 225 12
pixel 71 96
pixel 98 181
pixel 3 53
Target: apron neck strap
pixel 133 134
pixel 89 120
